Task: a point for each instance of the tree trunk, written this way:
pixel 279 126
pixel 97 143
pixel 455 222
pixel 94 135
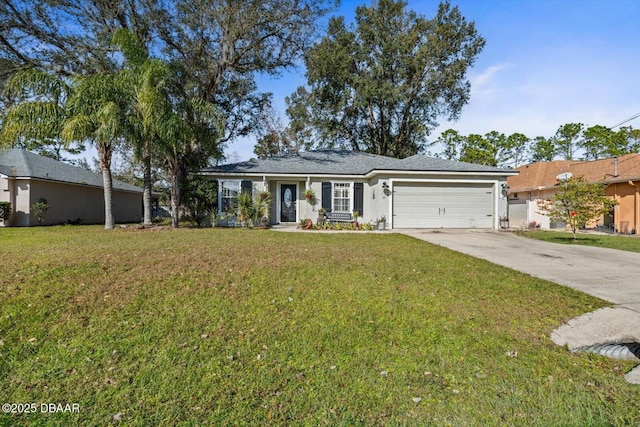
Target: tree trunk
pixel 175 196
pixel 105 165
pixel 147 187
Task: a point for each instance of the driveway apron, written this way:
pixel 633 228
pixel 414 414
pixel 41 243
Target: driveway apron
pixel 609 274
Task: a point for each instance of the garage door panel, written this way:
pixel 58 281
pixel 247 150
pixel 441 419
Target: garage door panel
pixel 443 205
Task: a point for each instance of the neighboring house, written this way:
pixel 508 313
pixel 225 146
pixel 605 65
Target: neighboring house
pixel 72 193
pixel 539 181
pixel 416 192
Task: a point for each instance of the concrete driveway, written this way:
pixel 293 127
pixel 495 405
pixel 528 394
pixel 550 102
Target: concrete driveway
pixel 609 274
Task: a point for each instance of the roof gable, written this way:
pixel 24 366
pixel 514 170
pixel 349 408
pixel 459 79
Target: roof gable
pixel 18 163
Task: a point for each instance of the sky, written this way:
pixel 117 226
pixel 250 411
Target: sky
pixel 546 63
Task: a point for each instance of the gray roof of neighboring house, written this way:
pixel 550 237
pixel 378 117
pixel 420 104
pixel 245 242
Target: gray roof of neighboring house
pixel 344 162
pixel 18 163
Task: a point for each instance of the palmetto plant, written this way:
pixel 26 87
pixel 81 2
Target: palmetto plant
pixel 248 211
pixel 243 209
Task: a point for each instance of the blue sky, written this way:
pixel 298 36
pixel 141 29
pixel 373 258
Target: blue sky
pixel 546 63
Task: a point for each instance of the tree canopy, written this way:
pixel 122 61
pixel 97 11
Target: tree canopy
pixel 222 44
pixel 497 149
pixel 381 85
pixel 185 72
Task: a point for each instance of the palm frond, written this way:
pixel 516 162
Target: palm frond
pixel 78 128
pixel 34 83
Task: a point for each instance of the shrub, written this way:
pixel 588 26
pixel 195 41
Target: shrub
pixel 5 210
pixel 199 197
pixel 39 210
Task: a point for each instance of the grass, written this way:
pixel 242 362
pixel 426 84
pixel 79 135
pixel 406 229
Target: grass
pixel 253 327
pixel 621 242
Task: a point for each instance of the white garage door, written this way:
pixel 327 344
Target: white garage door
pixel 443 205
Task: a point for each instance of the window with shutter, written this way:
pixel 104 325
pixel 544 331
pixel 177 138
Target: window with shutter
pixel 227 192
pixel 342 197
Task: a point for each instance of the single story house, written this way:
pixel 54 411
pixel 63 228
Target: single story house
pixel 72 193
pixel 415 192
pixel 539 181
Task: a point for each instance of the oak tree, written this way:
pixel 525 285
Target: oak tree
pixel 380 85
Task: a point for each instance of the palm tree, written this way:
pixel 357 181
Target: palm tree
pixel 98 110
pixel 145 79
pixel 89 109
pixel 185 130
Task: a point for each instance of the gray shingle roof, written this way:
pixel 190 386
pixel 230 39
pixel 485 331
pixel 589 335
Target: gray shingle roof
pixel 344 162
pixel 424 163
pixel 330 162
pixel 21 163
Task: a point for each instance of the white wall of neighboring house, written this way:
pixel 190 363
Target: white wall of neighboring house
pixel 525 211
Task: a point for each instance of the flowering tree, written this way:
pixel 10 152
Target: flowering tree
pixel 577 203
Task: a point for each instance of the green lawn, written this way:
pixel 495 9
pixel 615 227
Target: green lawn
pixel 254 327
pixel 621 242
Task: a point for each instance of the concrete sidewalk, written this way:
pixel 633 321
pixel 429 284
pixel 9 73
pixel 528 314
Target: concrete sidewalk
pixel 609 274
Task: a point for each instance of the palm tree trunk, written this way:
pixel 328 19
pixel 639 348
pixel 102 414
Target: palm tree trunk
pixel 175 194
pixel 104 152
pixel 147 187
pixel 175 197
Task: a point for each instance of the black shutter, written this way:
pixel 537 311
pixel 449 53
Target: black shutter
pixel 326 196
pixel 358 198
pixel 246 187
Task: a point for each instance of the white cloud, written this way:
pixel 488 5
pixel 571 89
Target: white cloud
pixel 487 75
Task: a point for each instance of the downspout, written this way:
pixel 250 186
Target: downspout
pixel 636 206
pixel 528 210
pixel 615 209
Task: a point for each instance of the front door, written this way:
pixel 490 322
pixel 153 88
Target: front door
pixel 288 203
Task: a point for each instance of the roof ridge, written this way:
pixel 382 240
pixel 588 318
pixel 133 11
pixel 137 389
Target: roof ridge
pixel 25 159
